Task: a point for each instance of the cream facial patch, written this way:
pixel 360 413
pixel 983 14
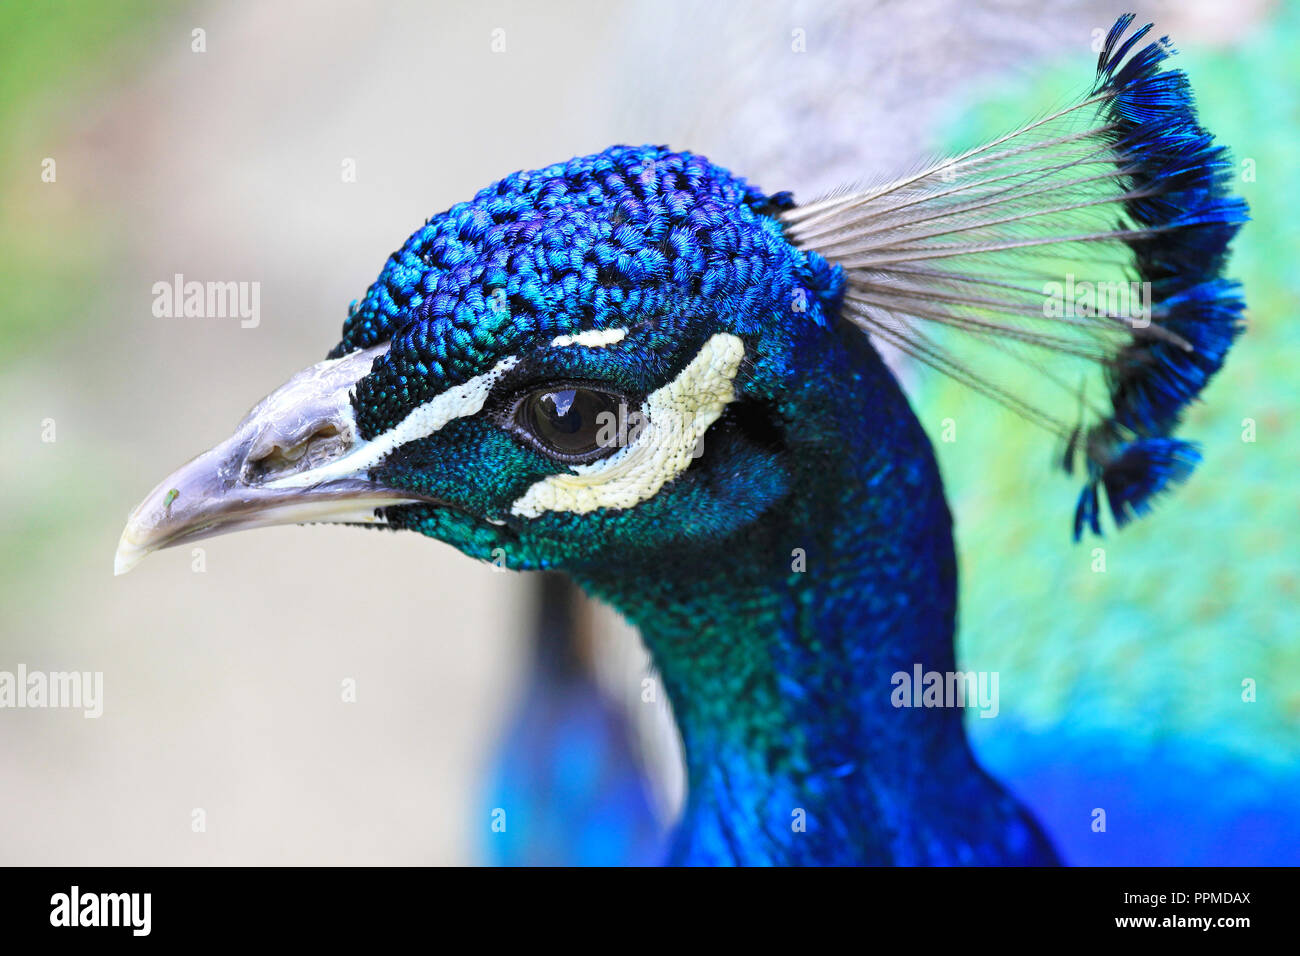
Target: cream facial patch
pixel 458 401
pixel 675 420
pixel 592 338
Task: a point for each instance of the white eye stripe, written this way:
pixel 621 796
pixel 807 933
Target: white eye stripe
pixel 677 416
pixel 459 401
pixel 592 338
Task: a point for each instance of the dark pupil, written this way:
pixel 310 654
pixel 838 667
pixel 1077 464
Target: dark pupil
pixel 569 420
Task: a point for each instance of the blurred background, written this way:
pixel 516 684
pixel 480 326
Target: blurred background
pixel 295 144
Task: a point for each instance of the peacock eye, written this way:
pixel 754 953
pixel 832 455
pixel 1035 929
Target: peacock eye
pixel 571 423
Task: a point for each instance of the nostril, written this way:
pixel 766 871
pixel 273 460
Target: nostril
pixel 276 456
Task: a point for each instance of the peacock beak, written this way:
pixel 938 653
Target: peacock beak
pixel 293 460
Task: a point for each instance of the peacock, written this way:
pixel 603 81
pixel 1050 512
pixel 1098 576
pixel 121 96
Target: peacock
pixel 641 370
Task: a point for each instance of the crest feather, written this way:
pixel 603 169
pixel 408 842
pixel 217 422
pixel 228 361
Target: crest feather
pixel 1086 246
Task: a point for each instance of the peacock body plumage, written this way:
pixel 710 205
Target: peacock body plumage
pixel 567 776
pixel 643 371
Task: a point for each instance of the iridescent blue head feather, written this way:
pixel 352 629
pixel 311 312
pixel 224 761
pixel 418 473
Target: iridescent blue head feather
pixel 630 235
pixel 662 247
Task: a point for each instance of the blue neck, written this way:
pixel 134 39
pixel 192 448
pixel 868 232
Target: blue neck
pixel 781 678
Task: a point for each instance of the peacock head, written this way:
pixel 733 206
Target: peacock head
pixel 635 350
pixel 581 360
